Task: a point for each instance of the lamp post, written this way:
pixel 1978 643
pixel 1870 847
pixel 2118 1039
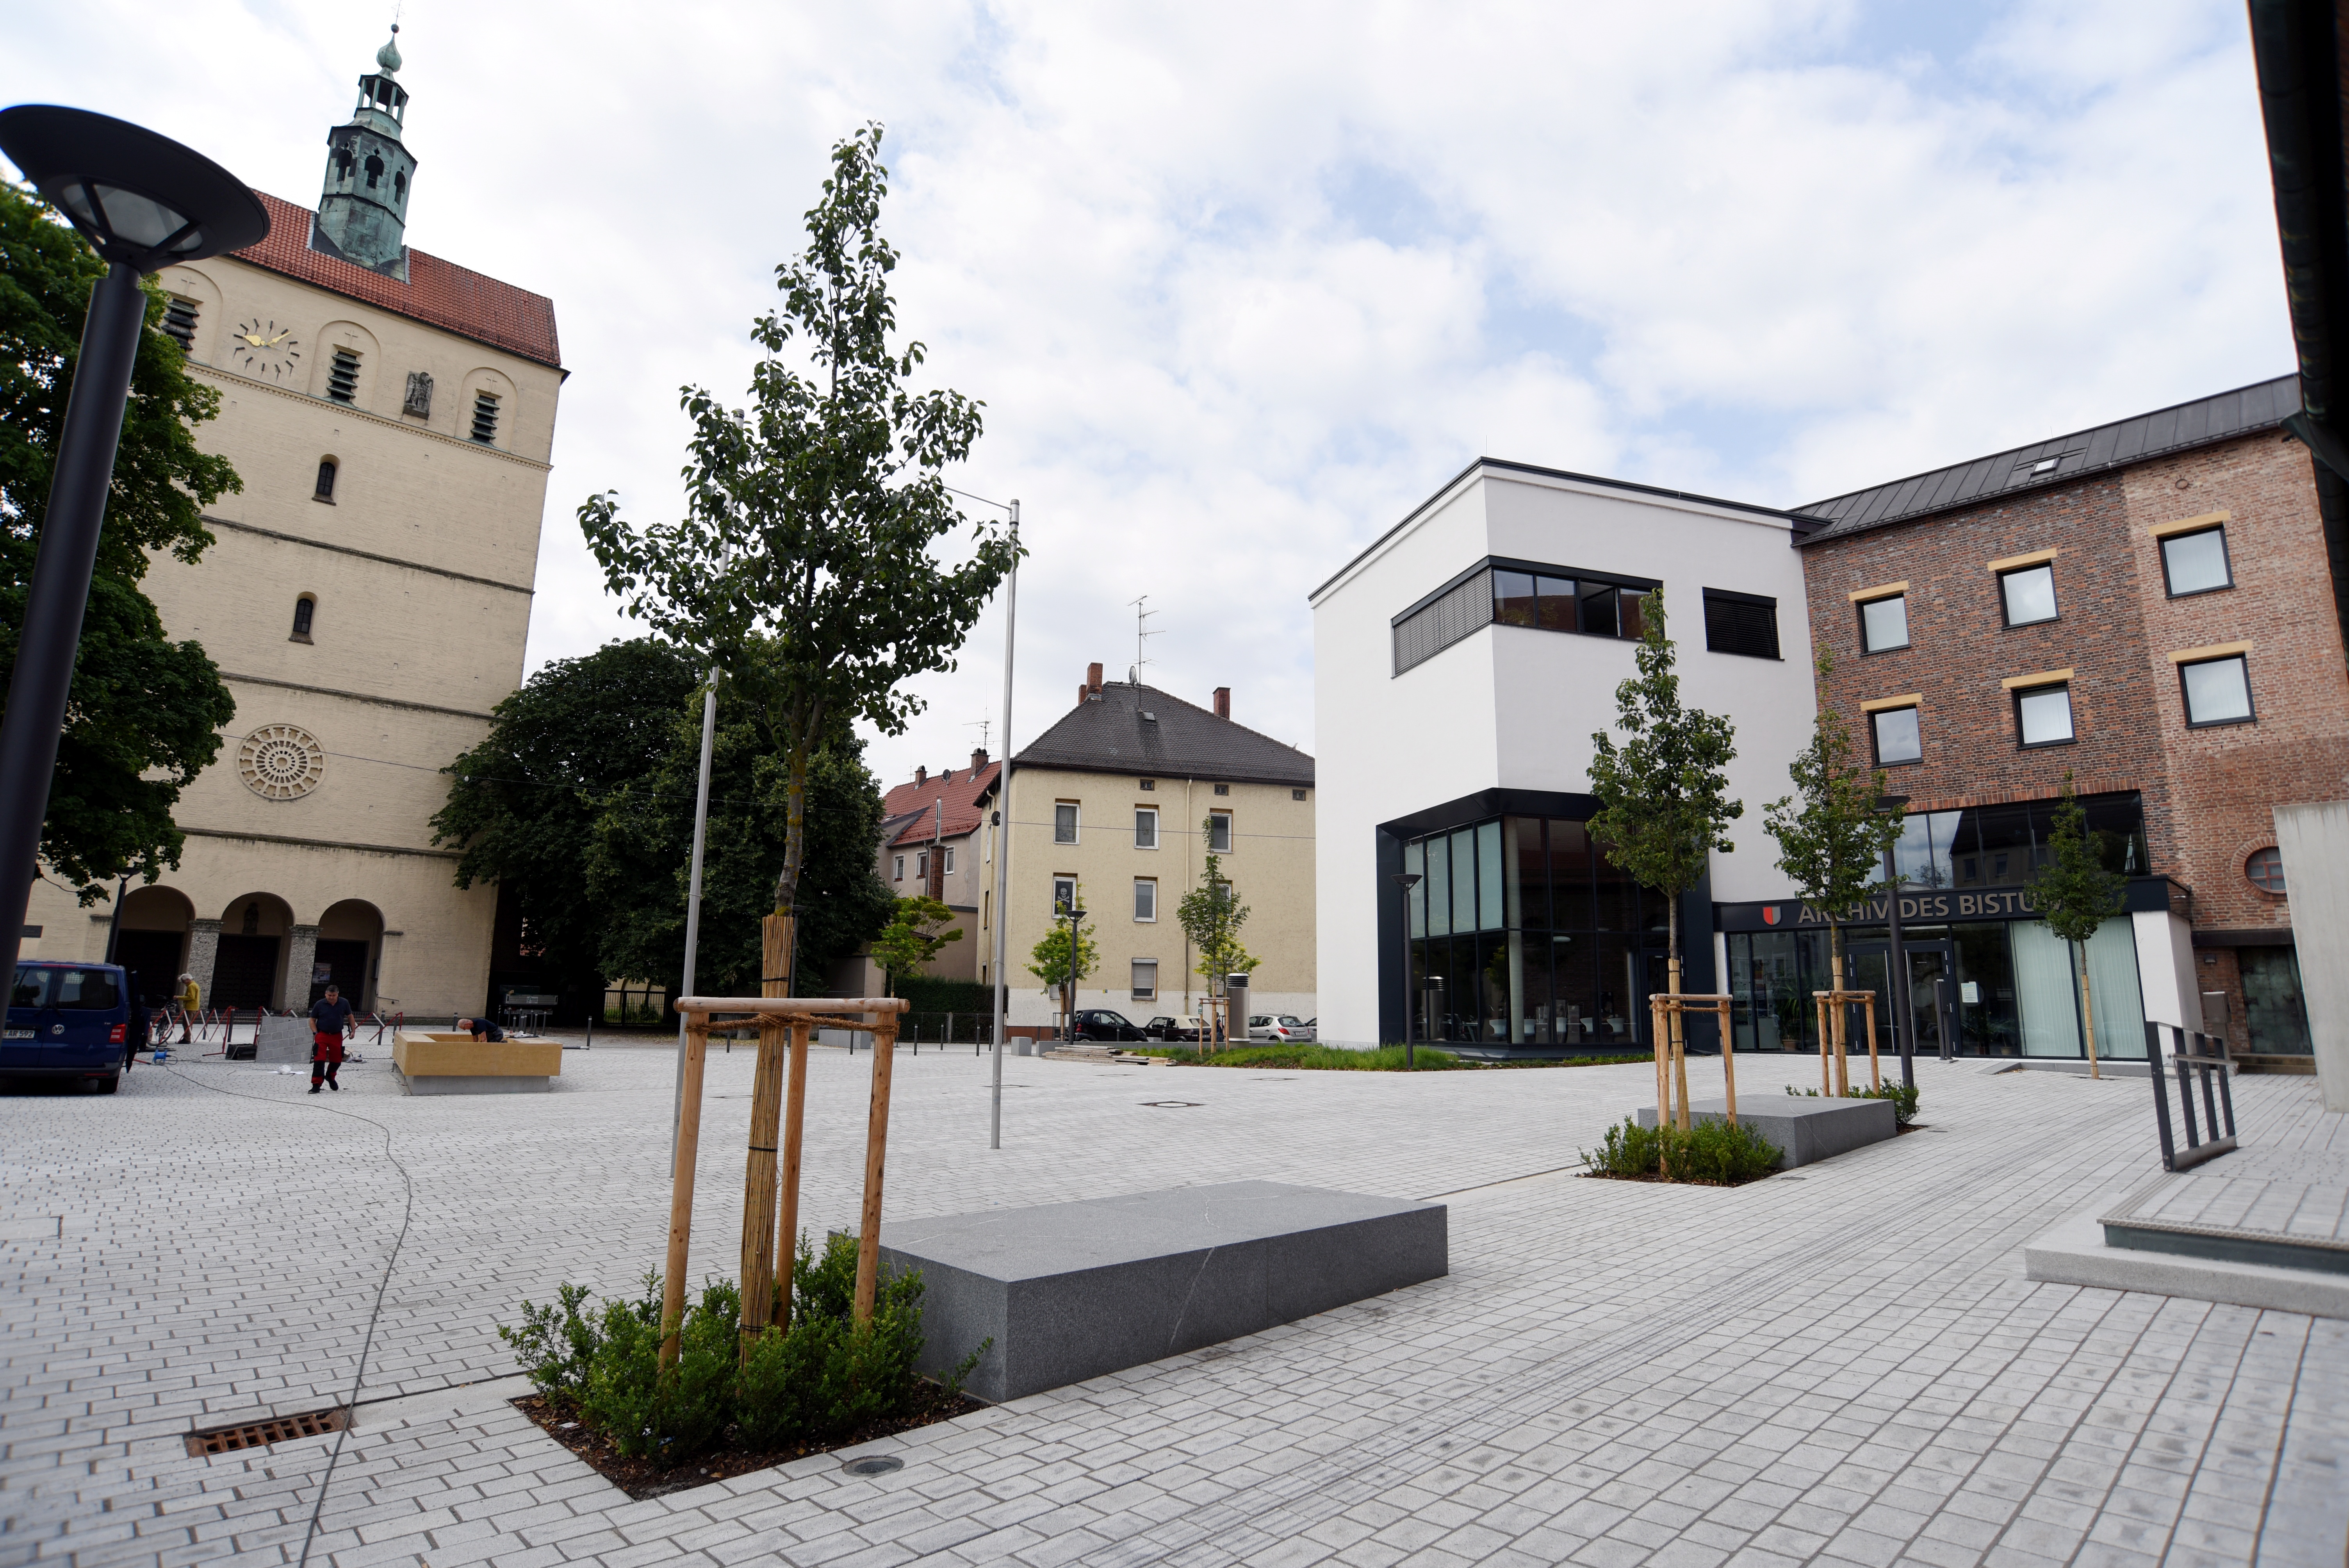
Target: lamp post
pixel 1407 880
pixel 143 201
pixel 1895 958
pixel 1069 1012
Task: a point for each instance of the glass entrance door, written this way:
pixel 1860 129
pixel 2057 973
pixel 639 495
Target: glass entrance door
pixel 1929 1005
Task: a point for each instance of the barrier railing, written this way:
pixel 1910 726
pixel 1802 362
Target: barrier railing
pixel 2206 1065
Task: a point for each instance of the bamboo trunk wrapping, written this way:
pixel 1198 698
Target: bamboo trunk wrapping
pixel 1875 1074
pixel 1680 1047
pixel 1826 1047
pixel 766 1113
pixel 876 1143
pixel 1657 1036
pixel 2088 1017
pixel 680 1201
pixel 787 1227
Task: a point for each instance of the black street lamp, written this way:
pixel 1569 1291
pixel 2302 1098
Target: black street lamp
pixel 143 201
pixel 1407 880
pixel 1896 957
pixel 1069 1028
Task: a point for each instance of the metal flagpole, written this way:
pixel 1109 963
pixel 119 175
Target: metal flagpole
pixel 693 903
pixel 1003 836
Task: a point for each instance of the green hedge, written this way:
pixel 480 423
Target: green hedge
pixel 934 995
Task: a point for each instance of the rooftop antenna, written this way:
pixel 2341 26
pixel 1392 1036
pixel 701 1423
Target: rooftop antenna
pixel 981 725
pixel 1142 632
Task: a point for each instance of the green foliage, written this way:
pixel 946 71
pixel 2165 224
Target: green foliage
pixel 144 713
pixel 826 1374
pixel 1663 794
pixel 1330 1058
pixel 1212 915
pixel 524 803
pixel 1831 838
pixel 917 928
pixel 2074 891
pixel 1051 961
pixel 557 1344
pixel 1710 1153
pixel 638 868
pixel 811 515
pixel 1902 1096
pixel 928 994
pixel 672 1414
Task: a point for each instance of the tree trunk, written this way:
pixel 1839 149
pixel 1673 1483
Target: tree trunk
pixel 2087 1011
pixel 1830 1042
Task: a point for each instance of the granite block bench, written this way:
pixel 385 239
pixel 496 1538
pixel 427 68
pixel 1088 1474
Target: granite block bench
pixel 457 1063
pixel 1071 1291
pixel 1805 1130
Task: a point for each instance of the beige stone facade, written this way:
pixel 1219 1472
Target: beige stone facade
pixel 310 845
pixel 1144 771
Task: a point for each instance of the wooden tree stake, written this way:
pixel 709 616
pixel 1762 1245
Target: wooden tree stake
pixel 680 1201
pixel 877 1138
pixel 766 1112
pixel 787 1232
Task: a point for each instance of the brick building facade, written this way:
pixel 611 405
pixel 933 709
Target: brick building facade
pixel 2146 606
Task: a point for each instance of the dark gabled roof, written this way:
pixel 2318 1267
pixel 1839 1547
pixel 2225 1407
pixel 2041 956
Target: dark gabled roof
pixel 1178 741
pixel 2262 406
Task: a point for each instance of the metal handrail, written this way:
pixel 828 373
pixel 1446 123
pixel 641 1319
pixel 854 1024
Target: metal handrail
pixel 2206 1065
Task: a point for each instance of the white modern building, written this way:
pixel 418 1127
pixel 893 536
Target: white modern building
pixel 1463 662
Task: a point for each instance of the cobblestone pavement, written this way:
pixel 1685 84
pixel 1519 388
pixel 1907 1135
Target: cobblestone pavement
pixel 1845 1363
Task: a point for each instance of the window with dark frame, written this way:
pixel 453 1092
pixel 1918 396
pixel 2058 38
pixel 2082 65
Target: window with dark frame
pixel 326 490
pixel 1520 594
pixel 1223 789
pixel 1064 895
pixel 2027 594
pixel 1884 623
pixel 2218 691
pixel 2196 563
pixel 1744 623
pixel 304 609
pixel 343 376
pixel 1899 737
pixel 2265 870
pixel 2043 716
pixel 1297 794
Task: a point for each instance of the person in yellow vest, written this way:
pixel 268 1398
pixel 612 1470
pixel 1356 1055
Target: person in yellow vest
pixel 191 1000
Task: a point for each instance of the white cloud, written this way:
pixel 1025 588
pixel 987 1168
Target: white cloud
pixel 1241 285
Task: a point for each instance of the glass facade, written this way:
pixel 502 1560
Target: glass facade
pixel 1538 939
pixel 2006 987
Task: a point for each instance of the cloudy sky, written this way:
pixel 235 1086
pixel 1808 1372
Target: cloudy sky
pixel 1242 283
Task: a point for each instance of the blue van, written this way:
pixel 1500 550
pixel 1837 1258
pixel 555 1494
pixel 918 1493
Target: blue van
pixel 72 1020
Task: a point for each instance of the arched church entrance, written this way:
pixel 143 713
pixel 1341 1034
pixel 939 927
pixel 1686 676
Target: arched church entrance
pixel 151 940
pixel 350 934
pixel 252 936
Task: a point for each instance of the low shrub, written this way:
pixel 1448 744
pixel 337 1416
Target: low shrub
pixel 1902 1096
pixel 1711 1151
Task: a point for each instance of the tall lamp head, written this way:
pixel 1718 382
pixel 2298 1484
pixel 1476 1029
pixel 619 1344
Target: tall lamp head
pixel 141 199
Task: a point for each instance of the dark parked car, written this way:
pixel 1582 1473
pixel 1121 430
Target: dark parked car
pixel 1177 1031
pixel 72 1020
pixel 1101 1023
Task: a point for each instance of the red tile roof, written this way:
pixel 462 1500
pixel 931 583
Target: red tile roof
pixel 959 789
pixel 439 294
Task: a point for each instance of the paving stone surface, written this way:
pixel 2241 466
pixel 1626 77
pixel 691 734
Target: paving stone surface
pixel 1842 1364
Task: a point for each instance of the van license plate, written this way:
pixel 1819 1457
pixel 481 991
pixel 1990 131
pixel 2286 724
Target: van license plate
pixel 17 1034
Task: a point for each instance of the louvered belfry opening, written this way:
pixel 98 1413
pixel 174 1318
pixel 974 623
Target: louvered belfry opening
pixel 485 418
pixel 343 380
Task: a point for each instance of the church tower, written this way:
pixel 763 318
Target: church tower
pixel 363 207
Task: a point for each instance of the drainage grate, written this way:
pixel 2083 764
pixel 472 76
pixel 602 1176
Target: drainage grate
pixel 873 1464
pixel 1172 1104
pixel 261 1434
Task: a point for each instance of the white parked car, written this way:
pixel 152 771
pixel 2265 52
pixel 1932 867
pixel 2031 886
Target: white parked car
pixel 1281 1028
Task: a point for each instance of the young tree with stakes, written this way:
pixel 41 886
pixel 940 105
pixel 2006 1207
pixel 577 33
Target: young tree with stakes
pixel 920 926
pixel 2075 894
pixel 1211 915
pixel 1663 794
pixel 1065 956
pixel 1831 838
pixel 811 515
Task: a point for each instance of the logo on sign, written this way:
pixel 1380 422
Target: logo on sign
pixel 1770 914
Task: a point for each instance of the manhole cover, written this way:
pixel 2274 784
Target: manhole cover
pixel 1173 1104
pixel 261 1434
pixel 873 1464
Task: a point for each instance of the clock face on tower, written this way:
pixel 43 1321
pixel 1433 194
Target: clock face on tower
pixel 263 350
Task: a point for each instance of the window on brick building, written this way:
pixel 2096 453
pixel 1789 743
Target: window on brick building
pixel 1884 623
pixel 1897 736
pixel 2196 563
pixel 2042 715
pixel 2265 868
pixel 2028 594
pixel 2218 691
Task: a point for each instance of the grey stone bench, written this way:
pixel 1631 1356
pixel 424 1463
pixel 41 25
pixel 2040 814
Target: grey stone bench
pixel 1070 1291
pixel 1805 1130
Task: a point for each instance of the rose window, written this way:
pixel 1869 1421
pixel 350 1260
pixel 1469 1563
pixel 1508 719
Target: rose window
pixel 281 762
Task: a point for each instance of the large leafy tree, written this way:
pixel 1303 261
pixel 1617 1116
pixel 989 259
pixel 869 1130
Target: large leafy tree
pixel 1831 837
pixel 803 565
pixel 144 714
pixel 638 869
pixel 526 801
pixel 1663 794
pixel 2075 893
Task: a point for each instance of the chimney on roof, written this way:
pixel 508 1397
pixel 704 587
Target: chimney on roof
pixel 978 761
pixel 920 774
pixel 1092 678
pixel 1223 702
